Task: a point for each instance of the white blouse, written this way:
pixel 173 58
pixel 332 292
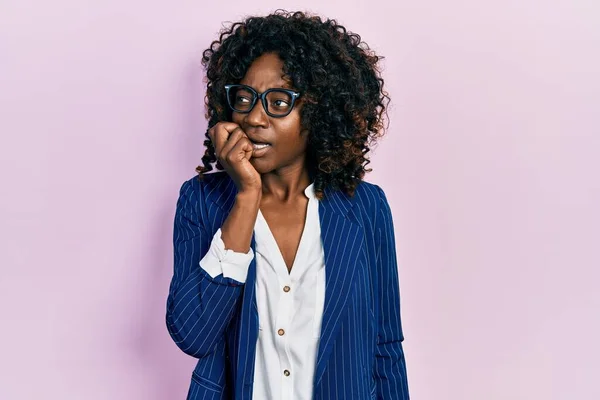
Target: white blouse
pixel 290 305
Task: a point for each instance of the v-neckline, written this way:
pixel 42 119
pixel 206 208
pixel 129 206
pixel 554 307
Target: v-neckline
pixel 300 253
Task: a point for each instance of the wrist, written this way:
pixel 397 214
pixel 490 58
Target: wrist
pixel 249 198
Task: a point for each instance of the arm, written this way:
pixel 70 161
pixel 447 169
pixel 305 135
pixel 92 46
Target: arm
pixel 201 301
pixel 390 367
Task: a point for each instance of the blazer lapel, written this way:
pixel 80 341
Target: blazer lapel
pixel 342 238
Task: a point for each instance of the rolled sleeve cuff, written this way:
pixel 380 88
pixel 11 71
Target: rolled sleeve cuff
pixel 231 264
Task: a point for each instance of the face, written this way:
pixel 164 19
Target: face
pixel 286 139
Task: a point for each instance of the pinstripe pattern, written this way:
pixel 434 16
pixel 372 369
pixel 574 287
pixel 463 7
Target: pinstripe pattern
pixel 360 353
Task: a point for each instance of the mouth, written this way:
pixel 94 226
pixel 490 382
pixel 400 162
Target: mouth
pixel 257 145
pixel 259 148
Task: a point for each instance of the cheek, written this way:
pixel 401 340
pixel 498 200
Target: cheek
pixel 291 142
pixel 291 129
pixel 237 118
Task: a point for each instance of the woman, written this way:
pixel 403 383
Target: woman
pixel 285 283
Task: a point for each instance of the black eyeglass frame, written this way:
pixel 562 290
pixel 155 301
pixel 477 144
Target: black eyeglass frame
pixel 263 98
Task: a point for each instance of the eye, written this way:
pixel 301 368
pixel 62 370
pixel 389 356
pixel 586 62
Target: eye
pixel 281 103
pixel 242 99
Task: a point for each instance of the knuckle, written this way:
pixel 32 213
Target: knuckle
pixel 235 133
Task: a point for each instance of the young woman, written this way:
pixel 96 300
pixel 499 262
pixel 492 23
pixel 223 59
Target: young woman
pixel 285 283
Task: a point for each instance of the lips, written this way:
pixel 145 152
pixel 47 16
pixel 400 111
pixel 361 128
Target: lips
pixel 256 141
pixel 259 148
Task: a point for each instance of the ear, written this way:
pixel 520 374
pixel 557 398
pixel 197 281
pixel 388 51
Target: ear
pixel 304 132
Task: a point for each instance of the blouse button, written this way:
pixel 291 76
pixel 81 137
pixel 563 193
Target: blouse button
pixel 281 332
pixel 286 289
pixel 286 372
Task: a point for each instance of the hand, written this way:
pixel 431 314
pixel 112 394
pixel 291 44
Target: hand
pixel 233 150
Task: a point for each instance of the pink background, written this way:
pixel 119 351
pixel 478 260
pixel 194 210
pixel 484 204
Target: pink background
pixel 491 166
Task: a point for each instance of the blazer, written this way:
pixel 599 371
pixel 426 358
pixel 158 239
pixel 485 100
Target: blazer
pixel 360 353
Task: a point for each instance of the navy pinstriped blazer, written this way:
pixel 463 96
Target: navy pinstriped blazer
pixel 360 353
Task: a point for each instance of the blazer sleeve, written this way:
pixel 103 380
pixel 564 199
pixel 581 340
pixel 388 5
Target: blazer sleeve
pixel 199 307
pixel 390 369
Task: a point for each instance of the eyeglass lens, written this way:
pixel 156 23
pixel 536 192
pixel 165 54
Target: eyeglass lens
pixel 242 99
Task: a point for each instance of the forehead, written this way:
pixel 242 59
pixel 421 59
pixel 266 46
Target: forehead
pixel 266 72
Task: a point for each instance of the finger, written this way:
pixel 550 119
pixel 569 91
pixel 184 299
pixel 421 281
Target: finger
pixel 242 149
pixel 219 138
pixel 212 131
pixel 229 126
pixel 223 133
pixel 234 137
pixel 234 129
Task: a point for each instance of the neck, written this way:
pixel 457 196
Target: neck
pixel 285 184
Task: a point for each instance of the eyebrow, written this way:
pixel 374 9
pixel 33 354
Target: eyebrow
pixel 284 86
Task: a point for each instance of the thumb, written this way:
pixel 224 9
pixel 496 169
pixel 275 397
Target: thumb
pixel 248 149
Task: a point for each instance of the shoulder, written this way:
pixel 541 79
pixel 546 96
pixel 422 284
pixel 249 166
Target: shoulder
pixel 195 190
pixel 369 197
pixel 197 194
pixel 199 187
pixel 368 203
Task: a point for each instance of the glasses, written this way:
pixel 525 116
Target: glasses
pixel 277 102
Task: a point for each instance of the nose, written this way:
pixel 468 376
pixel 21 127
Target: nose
pixel 257 116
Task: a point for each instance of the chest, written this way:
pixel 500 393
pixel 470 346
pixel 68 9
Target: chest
pixel 286 225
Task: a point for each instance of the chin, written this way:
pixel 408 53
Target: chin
pixel 260 166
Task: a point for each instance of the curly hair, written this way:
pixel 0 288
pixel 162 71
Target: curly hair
pixel 337 74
